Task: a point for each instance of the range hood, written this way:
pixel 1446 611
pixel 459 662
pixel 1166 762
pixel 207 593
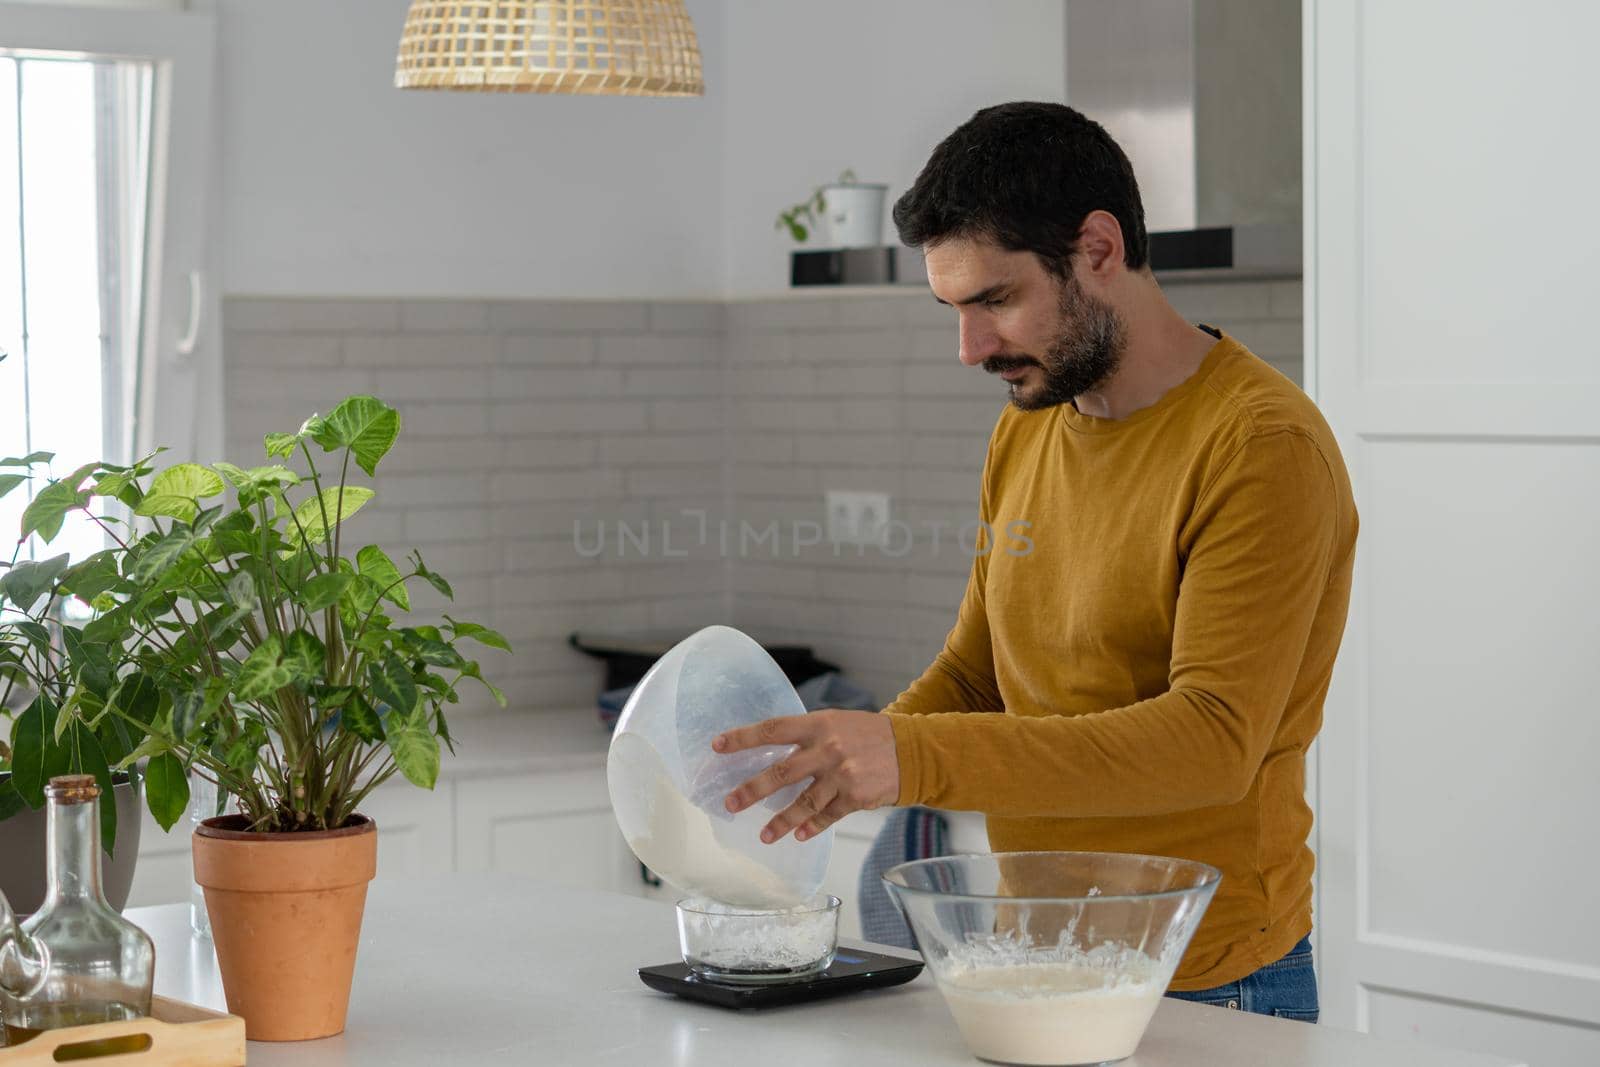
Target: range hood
pixel 1204 96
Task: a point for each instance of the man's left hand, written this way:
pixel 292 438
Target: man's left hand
pixel 849 755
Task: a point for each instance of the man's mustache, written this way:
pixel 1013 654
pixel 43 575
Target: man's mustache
pixel 1000 364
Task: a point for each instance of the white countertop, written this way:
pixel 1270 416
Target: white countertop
pixel 483 969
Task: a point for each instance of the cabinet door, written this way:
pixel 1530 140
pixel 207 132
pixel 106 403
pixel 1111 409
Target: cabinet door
pixel 165 871
pixel 416 828
pixel 555 827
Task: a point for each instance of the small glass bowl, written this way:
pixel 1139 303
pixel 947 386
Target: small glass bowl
pixel 753 945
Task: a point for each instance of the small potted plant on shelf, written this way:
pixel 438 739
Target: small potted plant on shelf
pixel 253 649
pixel 849 212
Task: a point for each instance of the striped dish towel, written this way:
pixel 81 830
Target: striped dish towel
pixel 907 834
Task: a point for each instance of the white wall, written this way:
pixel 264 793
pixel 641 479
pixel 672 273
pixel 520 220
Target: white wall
pixel 335 183
pixel 816 86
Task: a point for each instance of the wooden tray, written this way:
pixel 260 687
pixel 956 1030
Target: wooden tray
pixel 175 1035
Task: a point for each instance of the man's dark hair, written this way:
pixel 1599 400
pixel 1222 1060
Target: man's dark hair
pixel 1025 175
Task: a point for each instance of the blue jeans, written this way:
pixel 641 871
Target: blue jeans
pixel 1286 989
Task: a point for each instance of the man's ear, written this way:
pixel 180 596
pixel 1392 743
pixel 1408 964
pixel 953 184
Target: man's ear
pixel 1100 244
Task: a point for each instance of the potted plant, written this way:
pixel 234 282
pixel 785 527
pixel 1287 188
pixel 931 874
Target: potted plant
pixel 850 213
pixel 46 664
pixel 260 655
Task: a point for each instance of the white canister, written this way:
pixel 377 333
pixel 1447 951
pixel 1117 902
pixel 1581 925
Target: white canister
pixel 854 214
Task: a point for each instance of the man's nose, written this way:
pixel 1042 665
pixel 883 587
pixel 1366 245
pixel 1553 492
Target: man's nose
pixel 978 341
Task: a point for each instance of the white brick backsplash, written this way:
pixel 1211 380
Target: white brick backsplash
pixel 975 416
pixel 546 451
pixel 568 316
pixel 850 346
pixel 269 351
pixel 587 484
pixel 758 348
pixel 662 448
pixel 657 349
pixel 546 349
pixel 443 351
pixel 681 415
pixel 780 578
pixel 461 419
pixel 548 587
pixel 452 316
pixel 302 316
pixel 683 381
pixel 459 383
pixel 860 381
pixel 754 446
pixel 758 316
pixel 687 317
pixel 522 418
pixel 850 449
pixel 536 383
pixel 775 481
pixel 568 416
pixel 696 480
pixel 872 587
pixel 1216 302
pixel 446 524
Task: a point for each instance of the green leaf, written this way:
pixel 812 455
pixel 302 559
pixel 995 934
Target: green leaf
pixel 176 491
pixel 481 634
pixel 49 508
pixel 281 444
pixel 304 655
pixel 359 718
pixel 167 789
pixel 193 708
pixel 27 461
pixel 365 425
pixel 472 670
pixel 331 504
pixel 263 673
pixel 243 753
pixel 435 580
pixel 324 591
pixel 151 746
pixel 252 483
pixel 92 760
pixel 374 564
pixel 11 801
pixel 64 717
pixel 9 482
pixel 28 752
pixel 27 582
pixel 158 556
pixel 391 683
pixel 93 576
pixel 416 750
pixel 138 697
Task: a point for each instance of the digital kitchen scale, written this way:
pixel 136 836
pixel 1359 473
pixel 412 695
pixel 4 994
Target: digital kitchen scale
pixel 852 970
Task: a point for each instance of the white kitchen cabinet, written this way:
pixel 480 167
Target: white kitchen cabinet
pixel 416 827
pixel 555 827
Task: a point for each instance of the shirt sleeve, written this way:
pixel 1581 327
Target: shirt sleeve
pixel 1261 546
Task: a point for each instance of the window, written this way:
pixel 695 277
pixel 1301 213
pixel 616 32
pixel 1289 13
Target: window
pixel 74 193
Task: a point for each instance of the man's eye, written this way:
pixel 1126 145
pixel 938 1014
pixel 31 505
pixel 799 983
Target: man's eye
pixel 996 302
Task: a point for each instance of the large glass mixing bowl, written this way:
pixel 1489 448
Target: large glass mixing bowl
pixel 1052 957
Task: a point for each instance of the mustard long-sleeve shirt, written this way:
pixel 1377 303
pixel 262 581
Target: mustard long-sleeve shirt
pixel 1151 631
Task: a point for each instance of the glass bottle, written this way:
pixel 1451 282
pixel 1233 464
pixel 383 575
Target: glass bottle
pixel 99 967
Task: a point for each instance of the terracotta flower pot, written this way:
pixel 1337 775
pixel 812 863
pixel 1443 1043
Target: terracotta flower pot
pixel 286 919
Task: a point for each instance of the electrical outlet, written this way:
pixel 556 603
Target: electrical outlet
pixel 857 518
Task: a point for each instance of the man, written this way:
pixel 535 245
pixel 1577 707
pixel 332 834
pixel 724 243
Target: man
pixel 1148 677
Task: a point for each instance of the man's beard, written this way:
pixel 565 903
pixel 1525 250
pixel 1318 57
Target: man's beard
pixel 1084 355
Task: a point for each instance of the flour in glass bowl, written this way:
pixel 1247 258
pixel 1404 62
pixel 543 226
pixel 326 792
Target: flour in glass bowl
pixel 681 845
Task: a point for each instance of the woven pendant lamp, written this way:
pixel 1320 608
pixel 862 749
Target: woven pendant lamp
pixel 603 47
